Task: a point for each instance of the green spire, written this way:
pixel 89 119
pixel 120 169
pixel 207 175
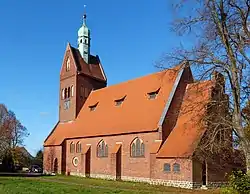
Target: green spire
pixel 84 39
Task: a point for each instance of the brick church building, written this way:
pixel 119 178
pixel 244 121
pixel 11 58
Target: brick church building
pixel 147 129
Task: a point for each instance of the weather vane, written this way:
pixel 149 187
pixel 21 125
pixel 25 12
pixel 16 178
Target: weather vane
pixel 84 14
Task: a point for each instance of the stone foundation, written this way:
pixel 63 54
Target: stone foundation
pixel 103 176
pixel 172 183
pixel 168 183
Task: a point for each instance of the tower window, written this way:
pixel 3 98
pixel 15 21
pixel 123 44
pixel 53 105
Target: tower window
pixel 68 92
pixel 81 41
pixel 85 41
pixel 63 94
pixel 68 65
pixel 72 90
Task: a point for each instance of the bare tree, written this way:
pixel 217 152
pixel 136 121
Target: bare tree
pixel 3 137
pixel 220 30
pixel 17 131
pixel 12 132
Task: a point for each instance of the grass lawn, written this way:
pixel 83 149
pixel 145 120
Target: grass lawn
pixel 72 185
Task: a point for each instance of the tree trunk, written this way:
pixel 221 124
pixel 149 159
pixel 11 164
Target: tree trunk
pixel 246 150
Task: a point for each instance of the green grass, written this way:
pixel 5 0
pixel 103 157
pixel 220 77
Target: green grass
pixel 72 185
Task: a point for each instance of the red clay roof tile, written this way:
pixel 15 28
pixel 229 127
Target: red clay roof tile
pixel 92 69
pixel 136 114
pixel 189 129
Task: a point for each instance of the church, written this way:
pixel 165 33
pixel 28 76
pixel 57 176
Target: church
pixel 147 129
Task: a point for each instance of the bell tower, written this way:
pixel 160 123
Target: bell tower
pixel 80 73
pixel 84 40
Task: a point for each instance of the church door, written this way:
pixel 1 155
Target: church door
pixel 118 164
pixel 87 163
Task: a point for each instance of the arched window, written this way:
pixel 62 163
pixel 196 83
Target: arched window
pixel 137 148
pixel 72 147
pixel 78 147
pixel 102 149
pixel 72 90
pixel 68 65
pixel 68 92
pixel 65 93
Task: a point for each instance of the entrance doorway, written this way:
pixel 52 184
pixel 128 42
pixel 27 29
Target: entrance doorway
pixel 87 163
pixel 204 173
pixel 118 164
pixel 55 166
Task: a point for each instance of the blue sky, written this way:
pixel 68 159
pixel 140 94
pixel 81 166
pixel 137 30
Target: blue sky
pixel 129 36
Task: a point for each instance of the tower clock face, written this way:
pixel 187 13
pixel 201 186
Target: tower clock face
pixel 66 104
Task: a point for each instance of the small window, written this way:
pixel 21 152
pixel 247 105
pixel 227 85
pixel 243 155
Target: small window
pixel 68 92
pixel 72 91
pixel 102 149
pixel 176 167
pixel 75 161
pixel 68 65
pixel 93 107
pixel 63 94
pixel 72 147
pixel 81 41
pixel 119 101
pixel 78 147
pixel 167 167
pixel 153 95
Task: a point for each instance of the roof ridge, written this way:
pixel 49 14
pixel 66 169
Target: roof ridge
pixel 135 79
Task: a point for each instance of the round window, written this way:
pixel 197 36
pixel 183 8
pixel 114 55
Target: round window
pixel 75 161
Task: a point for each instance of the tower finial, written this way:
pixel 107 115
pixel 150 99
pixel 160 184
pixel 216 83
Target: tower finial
pixel 84 15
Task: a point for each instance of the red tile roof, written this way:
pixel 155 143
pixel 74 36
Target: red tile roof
pixel 136 114
pixel 189 129
pixel 93 69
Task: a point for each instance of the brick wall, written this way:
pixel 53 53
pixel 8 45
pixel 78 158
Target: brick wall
pixel 133 167
pixel 185 174
pixel 83 88
pixel 68 114
pixel 50 154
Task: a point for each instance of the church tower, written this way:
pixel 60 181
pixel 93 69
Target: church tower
pixel 80 73
pixel 84 40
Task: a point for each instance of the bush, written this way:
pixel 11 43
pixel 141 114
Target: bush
pixel 239 183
